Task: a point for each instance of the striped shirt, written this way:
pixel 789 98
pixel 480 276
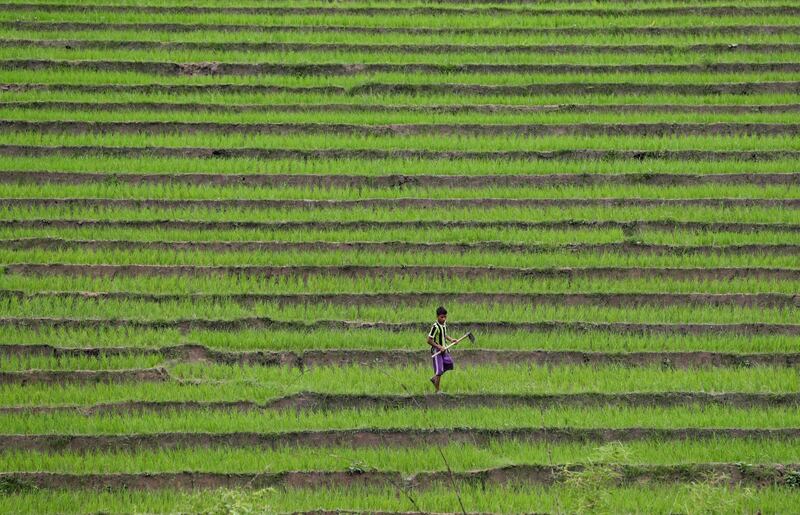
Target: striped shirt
pixel 439 334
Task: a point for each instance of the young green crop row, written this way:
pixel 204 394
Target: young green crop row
pixel 381 167
pixel 461 457
pixel 201 115
pixel 76 76
pixel 171 191
pixel 556 259
pixel 483 379
pixel 289 35
pixel 548 5
pixel 695 498
pixel 254 421
pixel 266 99
pixel 502 215
pixel 23 49
pixel 232 284
pixel 370 339
pixel 457 20
pixel 100 362
pixel 88 308
pixel 510 235
pixel 466 143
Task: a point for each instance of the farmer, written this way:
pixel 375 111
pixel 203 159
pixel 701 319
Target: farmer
pixel 437 339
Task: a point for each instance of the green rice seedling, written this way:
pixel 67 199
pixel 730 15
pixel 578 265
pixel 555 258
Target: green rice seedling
pixel 201 115
pixel 316 99
pixel 377 167
pixel 464 457
pixel 457 20
pixel 555 259
pixel 489 312
pixel 287 35
pixel 659 499
pixel 427 142
pixel 167 191
pixel 371 339
pixel 509 215
pixel 486 418
pixel 59 75
pixel 500 379
pixel 233 284
pixel 389 56
pixel 101 362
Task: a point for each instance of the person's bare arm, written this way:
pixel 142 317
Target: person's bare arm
pixel 435 345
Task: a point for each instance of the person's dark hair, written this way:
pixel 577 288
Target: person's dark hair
pixel 441 311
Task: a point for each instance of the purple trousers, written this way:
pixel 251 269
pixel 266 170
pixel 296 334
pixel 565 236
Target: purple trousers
pixel 442 363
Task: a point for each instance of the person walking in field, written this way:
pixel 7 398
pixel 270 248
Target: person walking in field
pixel 437 339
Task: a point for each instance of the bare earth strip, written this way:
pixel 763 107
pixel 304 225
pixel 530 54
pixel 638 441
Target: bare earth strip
pixel 282 153
pixel 771 300
pixel 238 324
pixel 401 48
pixel 308 401
pixel 399 180
pixel 629 228
pixel 582 129
pixel 104 270
pixel 347 69
pixel 723 10
pixel 396 203
pixel 735 474
pixel 27 377
pixel 189 353
pixel 568 88
pixel 555 32
pixel 369 438
pixel 400 108
pixel 402 246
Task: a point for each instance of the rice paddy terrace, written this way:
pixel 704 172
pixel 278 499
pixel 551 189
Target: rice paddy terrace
pixel 226 228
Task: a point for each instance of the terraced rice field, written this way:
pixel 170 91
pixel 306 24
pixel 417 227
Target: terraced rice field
pixel 226 228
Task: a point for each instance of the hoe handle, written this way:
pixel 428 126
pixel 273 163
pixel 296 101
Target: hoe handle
pixel 451 345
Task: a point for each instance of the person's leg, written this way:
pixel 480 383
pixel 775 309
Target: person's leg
pixel 438 370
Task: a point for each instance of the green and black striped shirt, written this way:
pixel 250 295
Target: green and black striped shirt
pixel 439 334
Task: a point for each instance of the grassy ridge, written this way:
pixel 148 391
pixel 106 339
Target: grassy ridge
pixel 382 167
pixel 277 35
pixel 84 308
pixel 489 418
pixel 463 457
pixel 381 118
pixel 300 341
pixel 510 499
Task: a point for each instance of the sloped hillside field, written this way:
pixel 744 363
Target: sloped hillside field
pixel 227 226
